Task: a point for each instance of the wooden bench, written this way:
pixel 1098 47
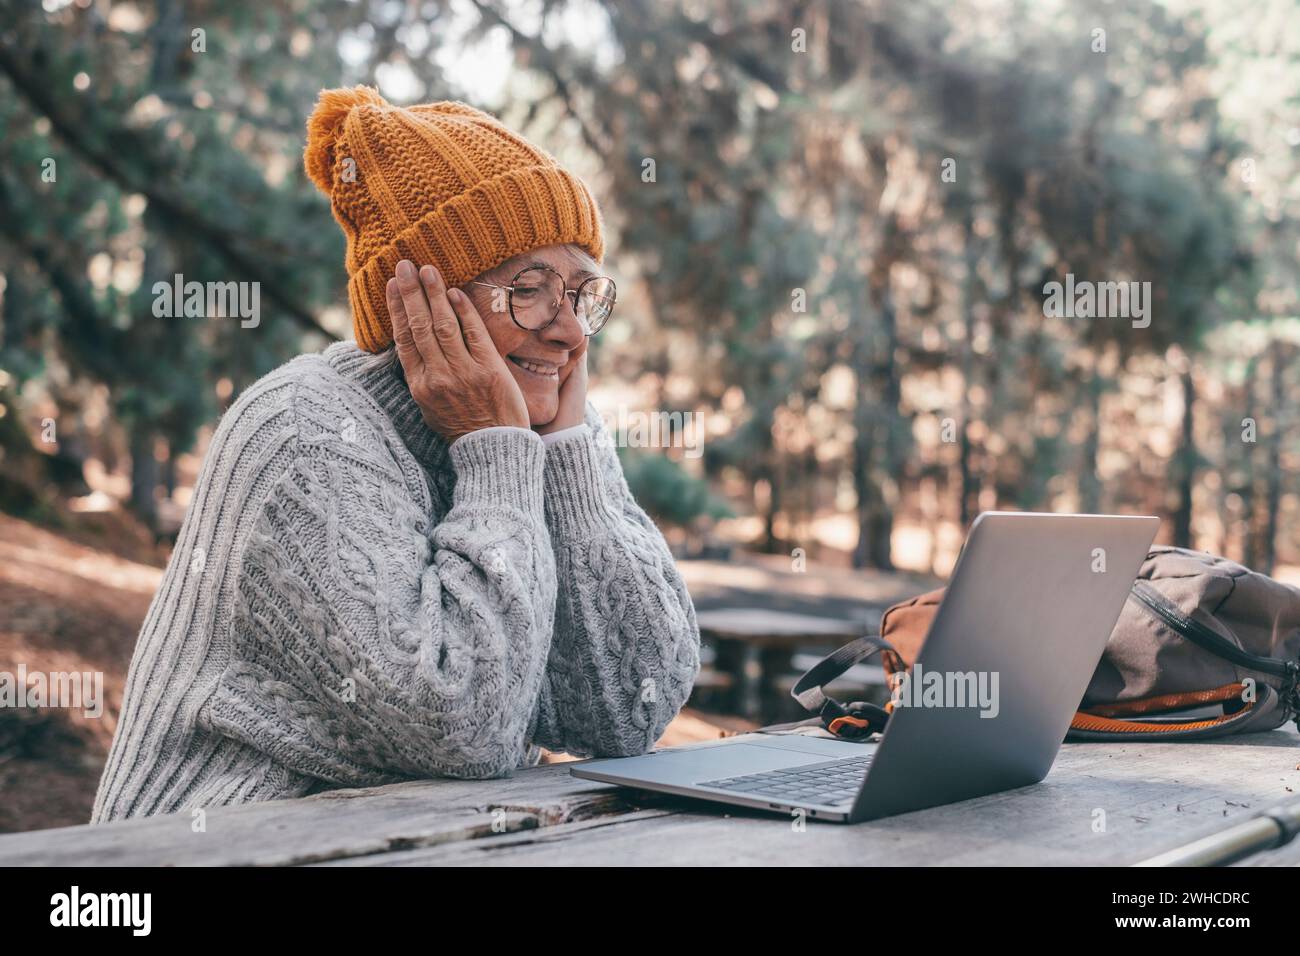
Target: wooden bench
pixel 1101 804
pixel 755 647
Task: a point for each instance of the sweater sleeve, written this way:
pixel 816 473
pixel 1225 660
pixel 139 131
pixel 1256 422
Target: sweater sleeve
pixel 625 651
pixel 370 646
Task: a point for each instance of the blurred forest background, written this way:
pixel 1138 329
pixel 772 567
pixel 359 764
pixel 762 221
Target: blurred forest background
pixel 831 223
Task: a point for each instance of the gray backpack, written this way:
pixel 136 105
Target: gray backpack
pixel 1197 631
pixel 1204 647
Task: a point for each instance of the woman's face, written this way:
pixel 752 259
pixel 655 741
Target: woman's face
pixel 540 361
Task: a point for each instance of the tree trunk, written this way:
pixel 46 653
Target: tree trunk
pixel 169 472
pixel 771 543
pixel 1273 499
pixel 890 473
pixel 863 414
pixel 1186 458
pixel 863 490
pixel 144 474
pixel 1089 481
pixel 968 490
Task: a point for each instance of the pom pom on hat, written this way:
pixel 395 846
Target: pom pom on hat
pixel 325 126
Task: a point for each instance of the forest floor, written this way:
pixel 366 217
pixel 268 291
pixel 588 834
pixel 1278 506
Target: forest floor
pixel 73 600
pixel 70 601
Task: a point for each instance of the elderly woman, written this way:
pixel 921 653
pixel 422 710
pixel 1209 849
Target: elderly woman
pixel 413 554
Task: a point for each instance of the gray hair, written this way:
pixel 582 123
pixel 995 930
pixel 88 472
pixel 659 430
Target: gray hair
pixel 380 361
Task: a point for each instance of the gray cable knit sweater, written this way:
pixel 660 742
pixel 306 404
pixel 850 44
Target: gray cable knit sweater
pixel 352 601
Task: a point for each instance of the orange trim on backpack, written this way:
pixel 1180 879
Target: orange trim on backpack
pixel 835 725
pixel 1092 722
pixel 1150 705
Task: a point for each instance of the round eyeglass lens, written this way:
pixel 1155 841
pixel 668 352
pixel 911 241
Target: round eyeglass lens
pixel 595 303
pixel 536 297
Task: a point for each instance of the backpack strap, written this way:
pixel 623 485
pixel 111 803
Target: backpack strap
pixel 854 721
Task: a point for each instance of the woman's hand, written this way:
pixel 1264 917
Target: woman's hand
pixel 573 395
pixel 453 370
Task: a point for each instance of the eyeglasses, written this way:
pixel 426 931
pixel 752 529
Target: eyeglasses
pixel 535 295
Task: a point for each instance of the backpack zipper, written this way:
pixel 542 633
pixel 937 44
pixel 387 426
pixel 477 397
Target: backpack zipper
pixel 1205 638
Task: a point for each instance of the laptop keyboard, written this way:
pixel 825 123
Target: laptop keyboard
pixel 830 783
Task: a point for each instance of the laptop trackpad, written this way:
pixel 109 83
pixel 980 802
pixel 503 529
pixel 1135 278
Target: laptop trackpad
pixel 696 765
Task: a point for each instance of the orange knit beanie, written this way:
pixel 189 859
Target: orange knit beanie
pixel 443 184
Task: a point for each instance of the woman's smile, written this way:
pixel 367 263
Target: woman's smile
pixel 542 369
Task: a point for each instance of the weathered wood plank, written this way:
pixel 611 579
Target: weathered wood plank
pixel 325 826
pixel 1152 800
pixel 1151 797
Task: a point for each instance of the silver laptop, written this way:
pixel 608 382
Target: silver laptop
pixel 1025 619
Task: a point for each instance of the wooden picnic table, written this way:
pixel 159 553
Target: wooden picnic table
pixel 1150 797
pixel 755 646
